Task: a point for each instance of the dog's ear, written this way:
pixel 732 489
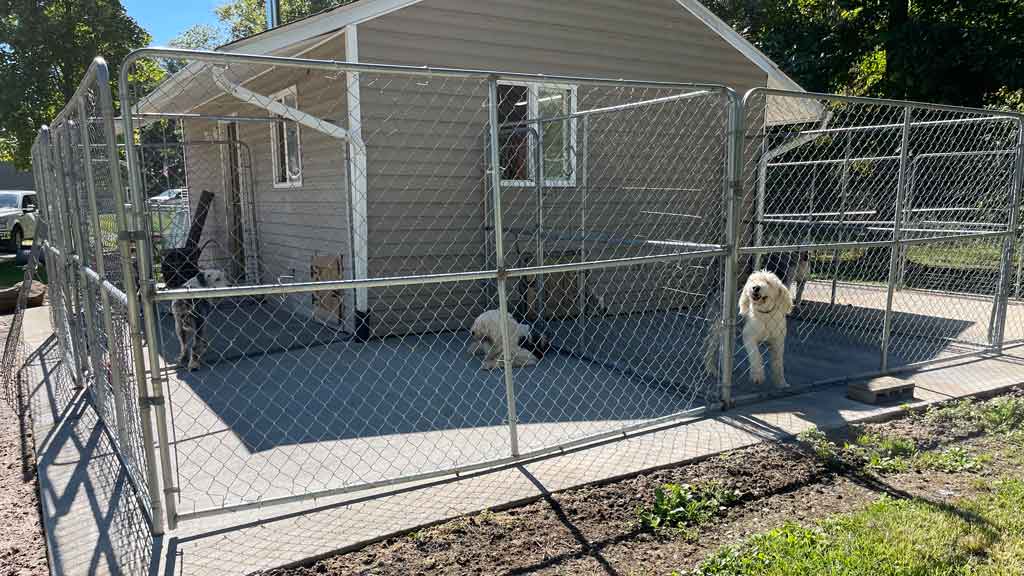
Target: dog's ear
pixel 785 296
pixel 744 301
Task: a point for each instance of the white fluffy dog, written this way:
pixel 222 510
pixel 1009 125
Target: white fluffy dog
pixel 764 304
pixel 190 317
pixel 765 301
pixel 486 337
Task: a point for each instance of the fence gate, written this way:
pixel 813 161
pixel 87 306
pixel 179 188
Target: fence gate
pixel 907 212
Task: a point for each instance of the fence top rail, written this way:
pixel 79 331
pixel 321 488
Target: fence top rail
pixel 994 114
pixel 209 57
pixel 98 72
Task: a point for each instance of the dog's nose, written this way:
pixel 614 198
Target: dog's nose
pixel 757 289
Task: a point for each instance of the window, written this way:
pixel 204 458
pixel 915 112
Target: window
pixel 526 111
pixel 29 201
pixel 286 147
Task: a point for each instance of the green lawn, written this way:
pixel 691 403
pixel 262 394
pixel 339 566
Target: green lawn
pixel 11 274
pixel 968 256
pixel 979 537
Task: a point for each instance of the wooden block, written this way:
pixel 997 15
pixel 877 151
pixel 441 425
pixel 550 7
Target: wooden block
pixel 883 390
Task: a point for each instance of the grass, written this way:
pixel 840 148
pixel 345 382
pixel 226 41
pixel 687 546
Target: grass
pixel 11 274
pixel 979 537
pixel 881 454
pixel 953 460
pixel 966 256
pixel 684 506
pixel 1003 415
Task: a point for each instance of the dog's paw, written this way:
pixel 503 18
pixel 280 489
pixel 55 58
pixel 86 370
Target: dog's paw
pixel 193 364
pixel 758 380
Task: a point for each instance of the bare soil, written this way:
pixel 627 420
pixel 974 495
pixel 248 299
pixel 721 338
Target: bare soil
pixel 22 546
pixel 594 530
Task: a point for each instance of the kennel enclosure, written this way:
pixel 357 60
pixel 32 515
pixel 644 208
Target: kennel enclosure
pixel 366 213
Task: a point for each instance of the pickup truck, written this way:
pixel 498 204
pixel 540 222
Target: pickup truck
pixel 17 218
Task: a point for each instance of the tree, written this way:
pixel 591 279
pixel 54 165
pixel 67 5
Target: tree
pixel 242 18
pixel 945 51
pixel 45 48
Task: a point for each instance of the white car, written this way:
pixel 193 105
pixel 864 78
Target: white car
pixel 173 197
pixel 17 218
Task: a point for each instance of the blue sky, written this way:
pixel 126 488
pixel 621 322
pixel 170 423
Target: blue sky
pixel 165 19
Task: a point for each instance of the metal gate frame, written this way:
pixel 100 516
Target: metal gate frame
pixel 899 242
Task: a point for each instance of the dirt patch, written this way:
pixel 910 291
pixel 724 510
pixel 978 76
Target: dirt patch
pixel 594 530
pixel 22 546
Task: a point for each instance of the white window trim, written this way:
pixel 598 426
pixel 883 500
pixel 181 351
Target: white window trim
pixel 289 183
pixel 533 112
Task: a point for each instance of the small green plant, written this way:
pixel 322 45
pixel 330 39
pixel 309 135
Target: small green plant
pixel 963 411
pixel 883 454
pixel 823 448
pixel 1003 415
pixel 952 460
pixel 683 506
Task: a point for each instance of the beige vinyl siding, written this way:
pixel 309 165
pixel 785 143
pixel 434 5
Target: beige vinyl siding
pixel 294 224
pixel 427 185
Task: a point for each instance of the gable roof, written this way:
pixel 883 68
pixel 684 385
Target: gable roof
pixel 359 11
pixel 296 36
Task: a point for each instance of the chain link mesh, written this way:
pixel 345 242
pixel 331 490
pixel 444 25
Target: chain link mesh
pixel 313 253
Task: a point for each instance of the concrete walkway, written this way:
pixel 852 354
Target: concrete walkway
pixel 95 526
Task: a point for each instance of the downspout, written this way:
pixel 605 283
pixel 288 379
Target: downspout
pixel 357 187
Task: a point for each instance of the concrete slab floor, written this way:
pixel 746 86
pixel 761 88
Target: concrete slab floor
pixel 95 526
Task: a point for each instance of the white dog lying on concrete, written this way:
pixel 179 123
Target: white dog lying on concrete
pixel 486 336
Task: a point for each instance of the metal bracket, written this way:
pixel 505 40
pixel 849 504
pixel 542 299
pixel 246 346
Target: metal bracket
pixel 131 235
pixel 151 401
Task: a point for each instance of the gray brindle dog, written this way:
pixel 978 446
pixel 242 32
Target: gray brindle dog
pixel 190 317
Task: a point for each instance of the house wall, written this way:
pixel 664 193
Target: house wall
pixel 293 224
pixel 427 185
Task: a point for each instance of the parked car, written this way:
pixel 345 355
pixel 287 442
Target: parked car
pixel 17 218
pixel 172 197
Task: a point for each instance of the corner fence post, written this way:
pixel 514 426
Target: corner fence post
pixel 894 254
pixel 1002 303
pixel 732 192
pixel 499 259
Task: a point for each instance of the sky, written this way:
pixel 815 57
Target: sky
pixel 165 19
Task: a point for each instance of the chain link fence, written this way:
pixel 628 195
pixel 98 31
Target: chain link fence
pixel 286 279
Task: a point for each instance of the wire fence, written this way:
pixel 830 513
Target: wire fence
pixel 300 278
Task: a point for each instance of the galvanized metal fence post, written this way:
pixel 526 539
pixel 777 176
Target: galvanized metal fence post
pixel 124 243
pixel 732 192
pixel 1010 242
pixel 894 255
pixel 499 255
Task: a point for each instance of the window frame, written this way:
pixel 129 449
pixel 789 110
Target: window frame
pixel 533 113
pixel 289 181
